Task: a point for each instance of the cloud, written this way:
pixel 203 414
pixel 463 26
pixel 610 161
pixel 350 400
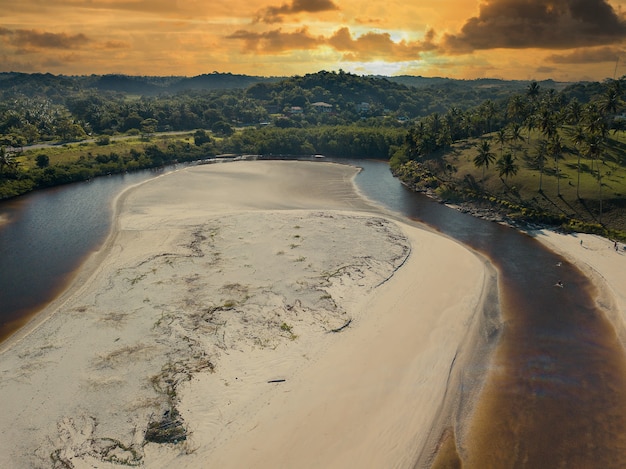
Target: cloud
pixel 30 39
pixel 378 46
pixel 588 55
pixel 369 46
pixel 275 14
pixel 545 24
pixel 276 41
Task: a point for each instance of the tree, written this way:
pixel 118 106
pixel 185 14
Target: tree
pixel 610 101
pixel 533 91
pixel 148 127
pixel 556 149
pixel 502 137
pixel 578 138
pixel 222 128
pixel 515 136
pixel 517 108
pixel 488 112
pixel 595 143
pixel 530 123
pixel 547 123
pixel 6 161
pixel 484 157
pixel 541 151
pixel 43 161
pixel 507 166
pixel 200 137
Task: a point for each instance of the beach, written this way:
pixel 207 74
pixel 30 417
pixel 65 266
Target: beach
pixel 259 314
pixel 598 259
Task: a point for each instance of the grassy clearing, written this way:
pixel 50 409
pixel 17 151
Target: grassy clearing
pixel 596 195
pixel 72 152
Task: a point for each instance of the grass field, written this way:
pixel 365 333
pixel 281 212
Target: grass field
pixel 71 152
pixel 581 196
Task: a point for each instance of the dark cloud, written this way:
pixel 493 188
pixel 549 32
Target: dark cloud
pixel 549 24
pixel 30 39
pixel 276 41
pixel 275 14
pixel 588 55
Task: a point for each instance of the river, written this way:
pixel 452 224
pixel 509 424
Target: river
pixel 556 392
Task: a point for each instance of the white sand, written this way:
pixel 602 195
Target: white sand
pixel 216 296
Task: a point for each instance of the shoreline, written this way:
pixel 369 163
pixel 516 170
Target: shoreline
pixel 256 391
pixel 597 258
pixel 78 280
pixel 113 355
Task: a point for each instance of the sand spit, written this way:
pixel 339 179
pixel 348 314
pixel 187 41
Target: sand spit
pixel 249 314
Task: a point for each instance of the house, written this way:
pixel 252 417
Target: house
pixel 322 107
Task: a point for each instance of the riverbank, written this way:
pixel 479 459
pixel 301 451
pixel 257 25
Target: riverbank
pixel 245 314
pixel 603 261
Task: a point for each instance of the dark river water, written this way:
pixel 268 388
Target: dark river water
pixel 555 395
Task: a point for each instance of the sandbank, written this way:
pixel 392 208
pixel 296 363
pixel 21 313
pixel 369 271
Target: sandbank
pixel 251 314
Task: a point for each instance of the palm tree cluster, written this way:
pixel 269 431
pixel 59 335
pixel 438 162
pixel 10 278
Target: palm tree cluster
pixel 504 126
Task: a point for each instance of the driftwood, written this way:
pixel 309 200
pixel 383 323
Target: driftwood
pixel 339 329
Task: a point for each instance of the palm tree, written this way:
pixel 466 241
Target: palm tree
pixel 533 92
pixel 610 101
pixel 578 138
pixel 515 135
pixel 556 149
pixel 530 123
pixel 594 120
pixel 488 112
pixel 517 108
pixel 541 151
pixel 507 166
pixel 502 138
pixel 484 157
pixel 574 112
pixel 547 123
pixel 595 144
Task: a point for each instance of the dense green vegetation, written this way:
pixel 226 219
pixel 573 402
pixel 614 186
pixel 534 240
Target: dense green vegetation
pixel 538 152
pixel 542 156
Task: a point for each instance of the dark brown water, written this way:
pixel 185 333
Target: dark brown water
pixel 555 394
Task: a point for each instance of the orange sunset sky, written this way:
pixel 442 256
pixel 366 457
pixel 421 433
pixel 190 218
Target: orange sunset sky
pixel 567 40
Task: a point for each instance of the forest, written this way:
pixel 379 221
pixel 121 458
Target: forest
pixel 487 143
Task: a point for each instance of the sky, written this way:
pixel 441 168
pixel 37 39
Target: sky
pixel 564 40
